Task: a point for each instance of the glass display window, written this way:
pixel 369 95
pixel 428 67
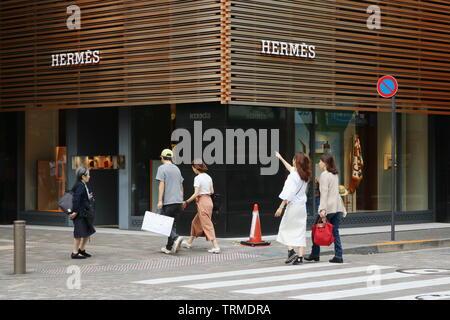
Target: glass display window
pixel 361 145
pixel 413 158
pixel 45 161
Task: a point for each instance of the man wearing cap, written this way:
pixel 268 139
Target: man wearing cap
pixel 170 196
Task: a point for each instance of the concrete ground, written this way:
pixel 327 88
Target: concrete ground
pixel 123 258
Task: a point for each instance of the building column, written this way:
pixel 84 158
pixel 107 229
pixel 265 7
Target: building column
pixel 125 143
pixel 72 148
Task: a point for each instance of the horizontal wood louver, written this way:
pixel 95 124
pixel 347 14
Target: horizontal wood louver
pixel 413 44
pixel 152 52
pixel 181 51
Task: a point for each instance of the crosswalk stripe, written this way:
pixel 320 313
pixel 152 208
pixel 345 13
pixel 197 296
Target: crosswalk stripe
pixel 292 277
pixel 322 284
pixel 234 273
pixel 443 294
pixel 373 290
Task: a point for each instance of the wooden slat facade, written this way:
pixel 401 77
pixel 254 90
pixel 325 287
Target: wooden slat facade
pixel 181 51
pixel 413 45
pixel 152 52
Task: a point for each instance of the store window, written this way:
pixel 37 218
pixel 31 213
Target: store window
pixel 303 134
pixel 414 162
pixel 45 160
pixel 361 145
pixel 151 129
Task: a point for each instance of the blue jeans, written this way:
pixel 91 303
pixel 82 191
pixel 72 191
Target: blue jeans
pixel 335 220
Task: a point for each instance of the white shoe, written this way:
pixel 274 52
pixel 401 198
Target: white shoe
pixel 214 250
pixel 165 250
pixel 176 244
pixel 186 245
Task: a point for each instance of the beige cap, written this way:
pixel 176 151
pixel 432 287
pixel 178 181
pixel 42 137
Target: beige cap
pixel 167 153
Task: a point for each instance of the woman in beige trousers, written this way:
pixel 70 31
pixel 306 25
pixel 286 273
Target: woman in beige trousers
pixel 202 225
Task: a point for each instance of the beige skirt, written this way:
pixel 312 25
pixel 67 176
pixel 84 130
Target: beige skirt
pixel 202 225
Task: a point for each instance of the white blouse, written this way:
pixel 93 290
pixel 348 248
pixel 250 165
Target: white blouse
pixel 294 189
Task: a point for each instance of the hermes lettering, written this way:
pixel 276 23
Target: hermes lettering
pixel 75 58
pixel 280 48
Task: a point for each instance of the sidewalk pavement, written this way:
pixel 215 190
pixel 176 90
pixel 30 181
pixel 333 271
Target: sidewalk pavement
pixel 48 248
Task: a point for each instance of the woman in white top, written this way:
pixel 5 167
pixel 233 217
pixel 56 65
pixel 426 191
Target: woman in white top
pixel 202 225
pixel 292 231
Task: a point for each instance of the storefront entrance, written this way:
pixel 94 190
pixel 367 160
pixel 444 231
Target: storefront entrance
pixel 98 136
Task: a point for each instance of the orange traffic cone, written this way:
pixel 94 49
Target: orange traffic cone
pixel 255 231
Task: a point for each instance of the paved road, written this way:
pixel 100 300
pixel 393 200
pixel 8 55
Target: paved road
pixel 423 274
pixel 128 266
pixel 408 275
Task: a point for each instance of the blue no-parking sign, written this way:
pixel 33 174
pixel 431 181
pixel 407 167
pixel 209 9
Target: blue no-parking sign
pixel 387 86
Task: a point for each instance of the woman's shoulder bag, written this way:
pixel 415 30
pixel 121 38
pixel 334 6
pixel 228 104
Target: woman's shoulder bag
pixel 65 203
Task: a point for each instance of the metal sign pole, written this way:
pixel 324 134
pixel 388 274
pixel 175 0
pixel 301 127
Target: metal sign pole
pixel 387 87
pixel 394 170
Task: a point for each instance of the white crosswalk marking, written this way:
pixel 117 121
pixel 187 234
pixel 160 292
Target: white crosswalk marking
pixel 234 273
pixel 322 284
pixel 441 295
pixel 287 277
pixel 316 281
pixel 374 290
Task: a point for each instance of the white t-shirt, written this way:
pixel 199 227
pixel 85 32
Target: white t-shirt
pixel 294 189
pixel 204 182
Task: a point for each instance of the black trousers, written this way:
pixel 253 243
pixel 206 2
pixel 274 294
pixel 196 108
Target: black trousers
pixel 172 210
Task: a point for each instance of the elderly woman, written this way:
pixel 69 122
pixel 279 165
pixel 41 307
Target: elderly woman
pixel 82 214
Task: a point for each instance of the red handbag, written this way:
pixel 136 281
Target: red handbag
pixel 323 233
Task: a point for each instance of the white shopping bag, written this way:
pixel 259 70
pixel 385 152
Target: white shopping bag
pixel 157 223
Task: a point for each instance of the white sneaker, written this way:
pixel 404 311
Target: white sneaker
pixel 214 250
pixel 186 245
pixel 165 250
pixel 176 245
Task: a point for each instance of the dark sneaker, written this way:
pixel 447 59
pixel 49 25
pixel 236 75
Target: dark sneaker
pixel 84 253
pixel 298 261
pixel 291 256
pixel 336 260
pixel 311 258
pixel 77 256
